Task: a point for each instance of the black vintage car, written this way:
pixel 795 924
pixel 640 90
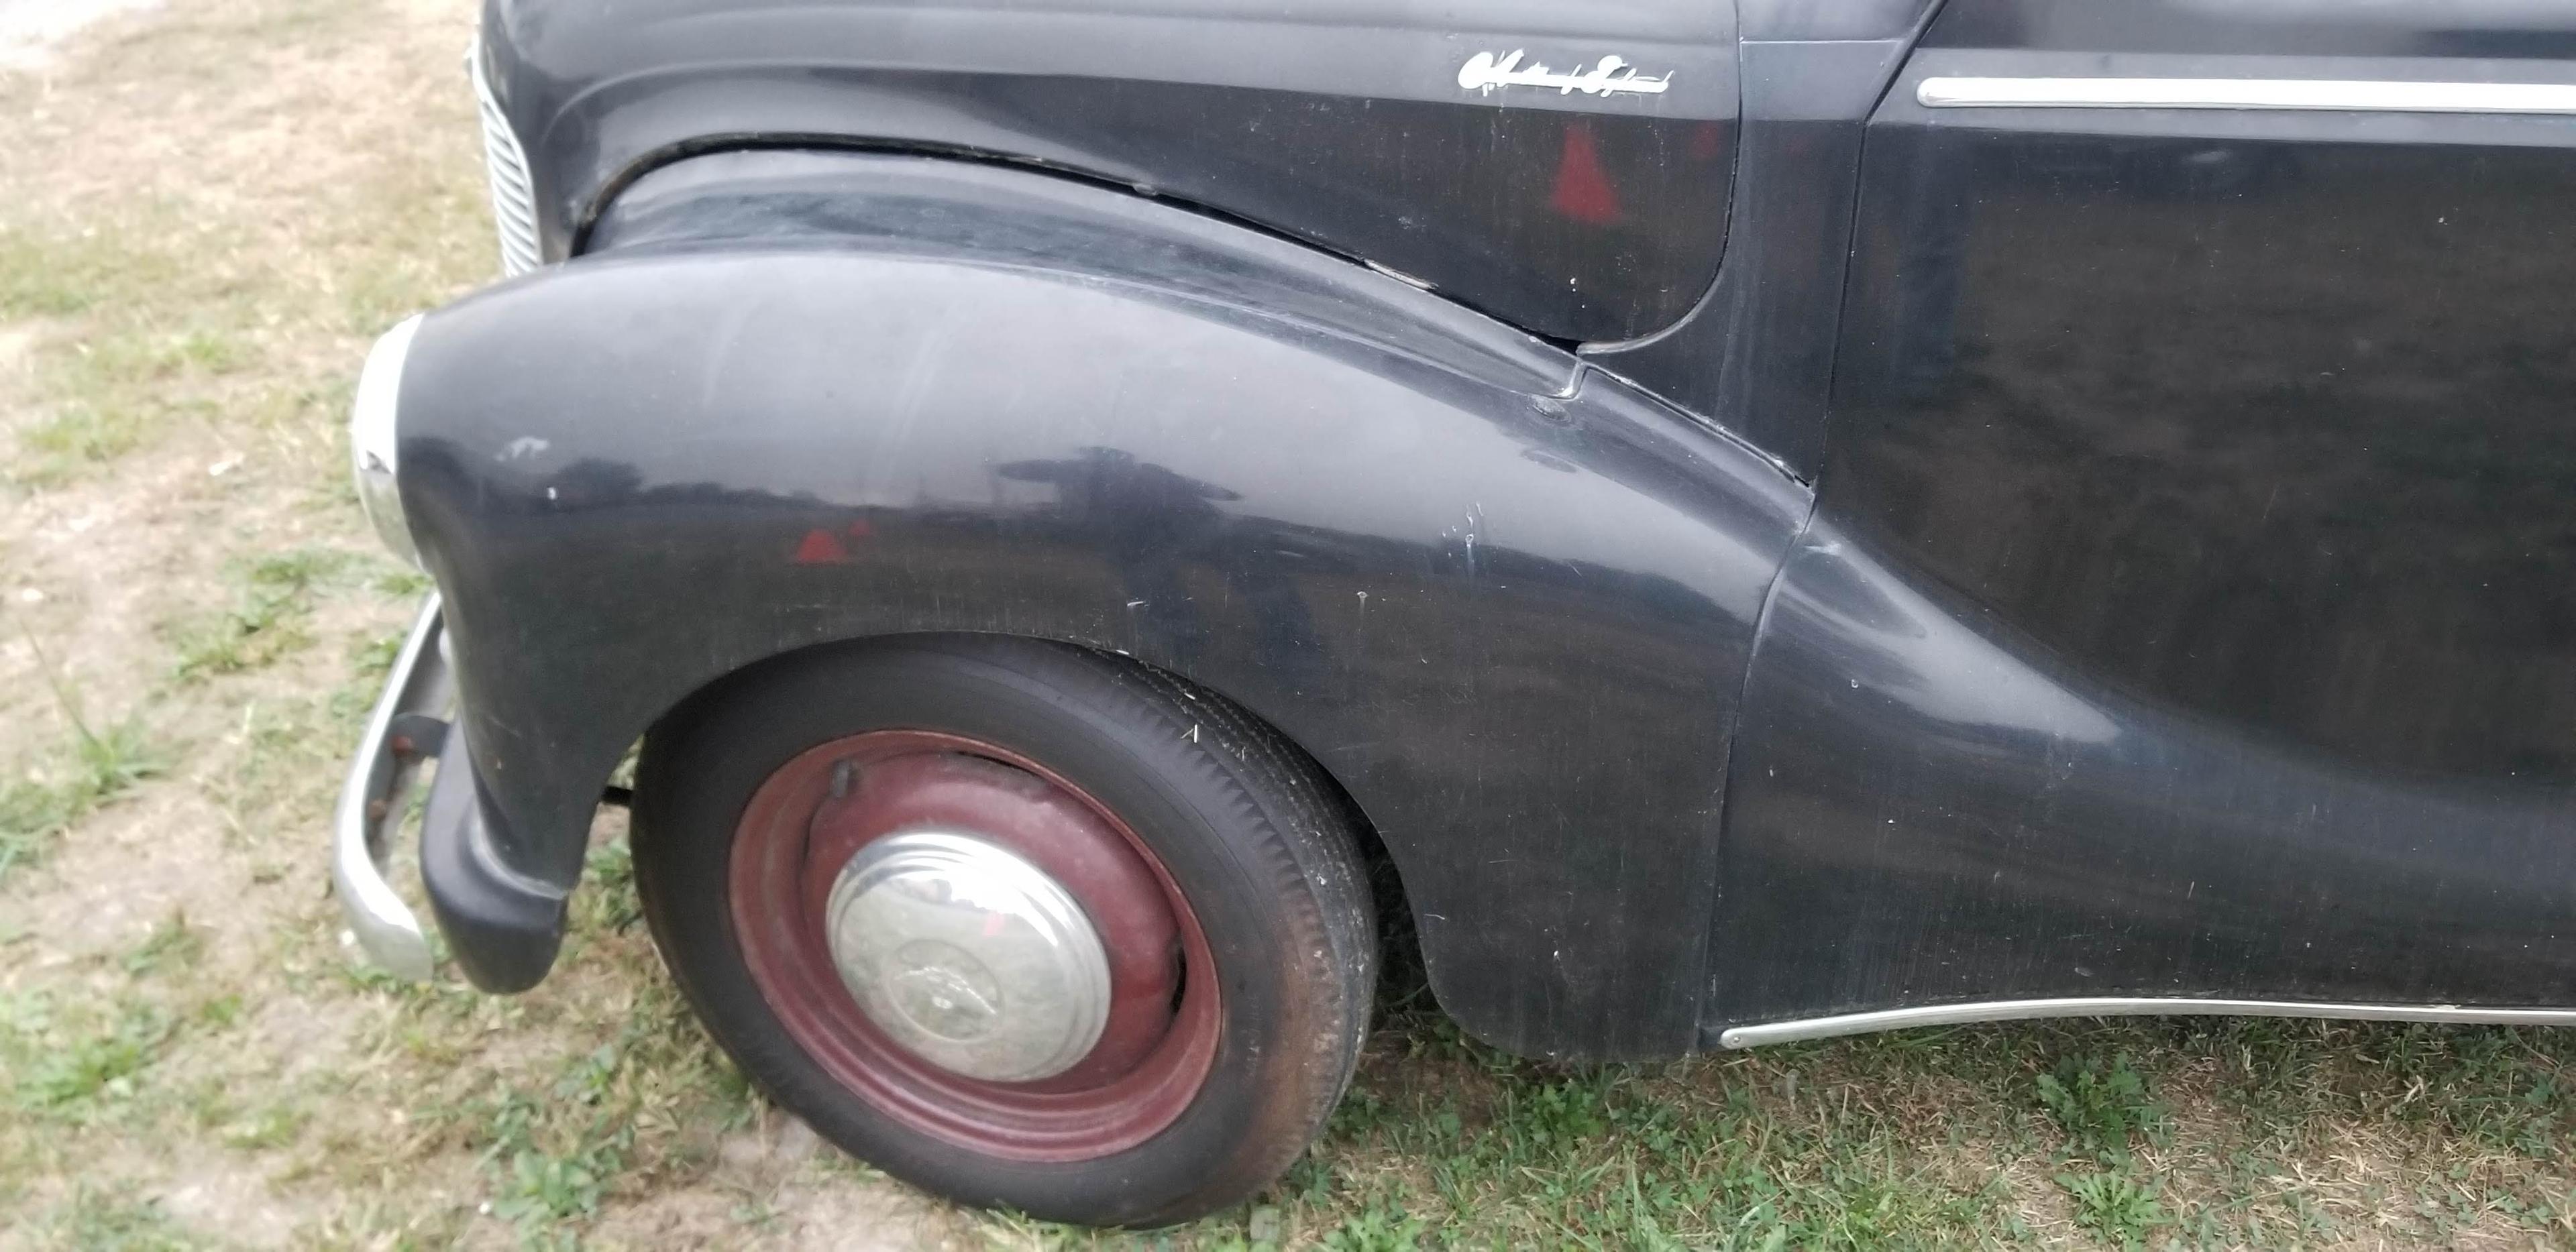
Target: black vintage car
pixel 1739 520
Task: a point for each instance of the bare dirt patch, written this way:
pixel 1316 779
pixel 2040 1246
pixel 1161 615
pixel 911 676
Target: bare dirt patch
pixel 31 30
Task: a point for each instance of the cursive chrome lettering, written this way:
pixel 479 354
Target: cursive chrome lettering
pixel 1484 71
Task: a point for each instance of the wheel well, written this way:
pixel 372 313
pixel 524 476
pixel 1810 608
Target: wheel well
pixel 1402 978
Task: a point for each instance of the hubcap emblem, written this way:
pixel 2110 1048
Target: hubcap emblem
pixel 944 991
pixel 968 955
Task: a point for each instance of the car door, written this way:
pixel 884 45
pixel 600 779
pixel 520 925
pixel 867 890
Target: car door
pixel 2188 611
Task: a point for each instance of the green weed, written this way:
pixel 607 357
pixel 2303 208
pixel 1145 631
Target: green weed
pixel 401 582
pixel 607 901
pixel 98 767
pixel 112 761
pixel 33 811
pixel 542 1175
pixel 267 620
pixel 82 1078
pixel 272 1126
pixel 2115 1207
pixel 1549 1118
pixel 172 944
pixel 109 1219
pixel 2099 1106
pixel 554 1155
pixel 82 432
pixel 1383 1226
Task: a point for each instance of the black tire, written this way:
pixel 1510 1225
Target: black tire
pixel 1252 835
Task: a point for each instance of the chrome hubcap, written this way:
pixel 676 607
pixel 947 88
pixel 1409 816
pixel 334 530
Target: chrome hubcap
pixel 969 956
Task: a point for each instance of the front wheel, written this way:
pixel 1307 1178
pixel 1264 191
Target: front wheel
pixel 1017 923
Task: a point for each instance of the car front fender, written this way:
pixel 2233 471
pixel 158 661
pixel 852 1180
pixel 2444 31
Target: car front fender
pixel 798 400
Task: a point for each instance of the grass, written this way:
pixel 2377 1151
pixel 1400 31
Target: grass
pixel 49 271
pixel 541 1186
pixel 2115 1207
pixel 172 945
pixel 1942 1138
pixel 102 1218
pixel 2099 1106
pixel 83 1062
pixel 95 769
pixel 272 602
pixel 1487 1151
pixel 211 210
pixel 130 359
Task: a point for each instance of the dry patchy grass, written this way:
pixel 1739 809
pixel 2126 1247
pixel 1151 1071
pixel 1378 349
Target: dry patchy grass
pixel 208 210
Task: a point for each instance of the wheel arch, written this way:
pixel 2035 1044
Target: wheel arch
pixel 1386 873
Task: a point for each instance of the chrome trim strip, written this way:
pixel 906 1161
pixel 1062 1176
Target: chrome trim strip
pixel 2128 1006
pixel 371 804
pixel 2348 95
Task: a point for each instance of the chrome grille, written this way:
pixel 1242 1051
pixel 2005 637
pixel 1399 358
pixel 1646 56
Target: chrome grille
pixel 514 200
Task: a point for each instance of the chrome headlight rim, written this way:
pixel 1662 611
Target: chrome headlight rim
pixel 374 448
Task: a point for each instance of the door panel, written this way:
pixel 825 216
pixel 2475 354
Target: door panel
pixel 2252 434
pixel 1757 354
pixel 2268 415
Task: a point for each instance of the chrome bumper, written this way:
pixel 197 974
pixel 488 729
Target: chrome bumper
pixel 407 728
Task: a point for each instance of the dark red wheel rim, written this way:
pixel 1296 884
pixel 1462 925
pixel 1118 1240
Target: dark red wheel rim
pixel 815 812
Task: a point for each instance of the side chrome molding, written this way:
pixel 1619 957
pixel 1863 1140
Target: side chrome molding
pixel 2386 96
pixel 2126 1006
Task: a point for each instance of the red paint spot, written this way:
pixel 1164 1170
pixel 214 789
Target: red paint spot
pixel 1708 142
pixel 1583 191
pixel 821 547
